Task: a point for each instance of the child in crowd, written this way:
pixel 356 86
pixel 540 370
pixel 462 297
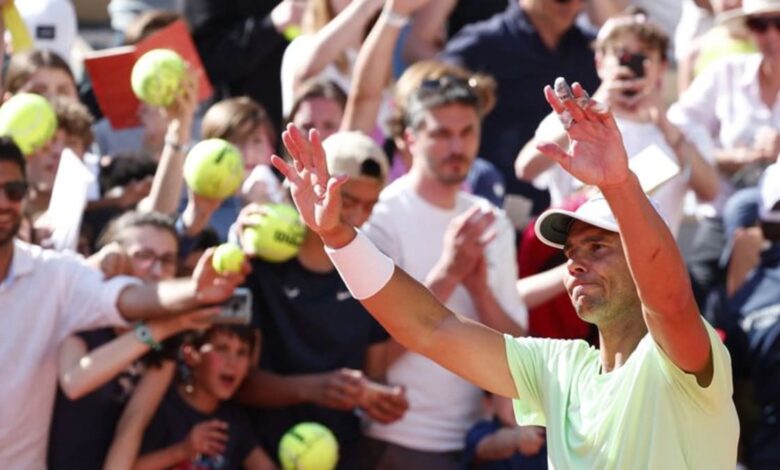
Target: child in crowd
pixel 196 425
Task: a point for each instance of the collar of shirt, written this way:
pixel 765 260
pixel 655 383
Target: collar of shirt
pixel 749 78
pixel 21 264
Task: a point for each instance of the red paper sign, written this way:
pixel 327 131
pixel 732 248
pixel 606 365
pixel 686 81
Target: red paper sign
pixel 110 69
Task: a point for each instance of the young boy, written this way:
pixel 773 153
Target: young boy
pixel 196 426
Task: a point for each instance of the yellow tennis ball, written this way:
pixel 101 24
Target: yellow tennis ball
pixel 278 234
pixel 227 258
pixel 214 168
pixel 29 120
pixel 157 77
pixel 308 446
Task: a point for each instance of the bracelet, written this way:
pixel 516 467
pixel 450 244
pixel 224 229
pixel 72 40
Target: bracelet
pixel 144 335
pixel 394 19
pixel 364 269
pixel 174 145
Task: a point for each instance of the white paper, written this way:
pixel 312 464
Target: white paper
pixel 68 199
pixel 653 167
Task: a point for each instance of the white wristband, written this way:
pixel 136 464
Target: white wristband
pixel 364 269
pixel 396 20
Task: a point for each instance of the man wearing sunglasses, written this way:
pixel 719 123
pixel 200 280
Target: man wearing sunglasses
pixel 525 47
pixel 47 296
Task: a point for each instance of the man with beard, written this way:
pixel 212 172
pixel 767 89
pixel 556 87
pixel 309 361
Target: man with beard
pixel 657 394
pixel 462 250
pixel 46 296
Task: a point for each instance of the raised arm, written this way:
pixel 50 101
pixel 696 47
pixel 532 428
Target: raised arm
pixel 597 157
pixel 406 309
pixel 166 187
pixel 373 66
pixel 341 32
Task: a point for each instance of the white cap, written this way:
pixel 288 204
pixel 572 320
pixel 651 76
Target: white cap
pixel 52 24
pixel 355 155
pixel 552 227
pixel 770 194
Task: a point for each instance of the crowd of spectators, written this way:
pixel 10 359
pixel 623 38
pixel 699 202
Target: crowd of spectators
pixel 432 110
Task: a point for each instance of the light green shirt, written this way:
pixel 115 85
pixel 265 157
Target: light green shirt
pixel 646 414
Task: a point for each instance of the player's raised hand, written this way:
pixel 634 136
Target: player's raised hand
pixel 596 155
pixel 315 192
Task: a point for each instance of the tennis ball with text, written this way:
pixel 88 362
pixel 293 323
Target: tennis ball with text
pixel 277 234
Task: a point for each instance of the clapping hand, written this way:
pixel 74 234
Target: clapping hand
pixel 596 155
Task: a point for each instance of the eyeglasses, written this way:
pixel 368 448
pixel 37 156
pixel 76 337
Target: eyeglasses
pixel 444 90
pixel 147 258
pixel 14 190
pixel 448 83
pixel 761 24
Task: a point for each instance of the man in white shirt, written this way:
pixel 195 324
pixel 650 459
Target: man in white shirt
pixel 47 296
pixel 463 250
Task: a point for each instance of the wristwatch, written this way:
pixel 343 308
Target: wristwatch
pixel 144 335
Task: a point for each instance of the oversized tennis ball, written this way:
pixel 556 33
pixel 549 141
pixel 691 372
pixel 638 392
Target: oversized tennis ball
pixel 214 168
pixel 227 258
pixel 157 77
pixel 308 446
pixel 277 235
pixel 29 120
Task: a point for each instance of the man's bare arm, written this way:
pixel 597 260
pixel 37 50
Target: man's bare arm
pixel 597 157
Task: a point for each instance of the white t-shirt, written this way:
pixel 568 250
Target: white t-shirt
pixel 291 63
pixel 637 136
pixel 46 297
pixel 442 406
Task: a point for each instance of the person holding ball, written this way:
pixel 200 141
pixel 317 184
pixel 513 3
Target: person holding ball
pixel 48 296
pixel 322 355
pixel 658 392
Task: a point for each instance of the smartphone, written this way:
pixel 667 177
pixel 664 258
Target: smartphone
pixel 238 309
pixel 635 62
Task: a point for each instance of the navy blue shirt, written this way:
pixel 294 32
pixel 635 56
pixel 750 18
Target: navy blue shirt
pixel 175 418
pixel 517 461
pixel 310 324
pixel 508 47
pixel 82 430
pixel 756 308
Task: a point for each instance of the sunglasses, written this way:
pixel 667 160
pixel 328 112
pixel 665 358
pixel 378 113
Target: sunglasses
pixel 14 190
pixel 761 24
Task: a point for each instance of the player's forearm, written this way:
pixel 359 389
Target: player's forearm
pixel 146 301
pixel 653 257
